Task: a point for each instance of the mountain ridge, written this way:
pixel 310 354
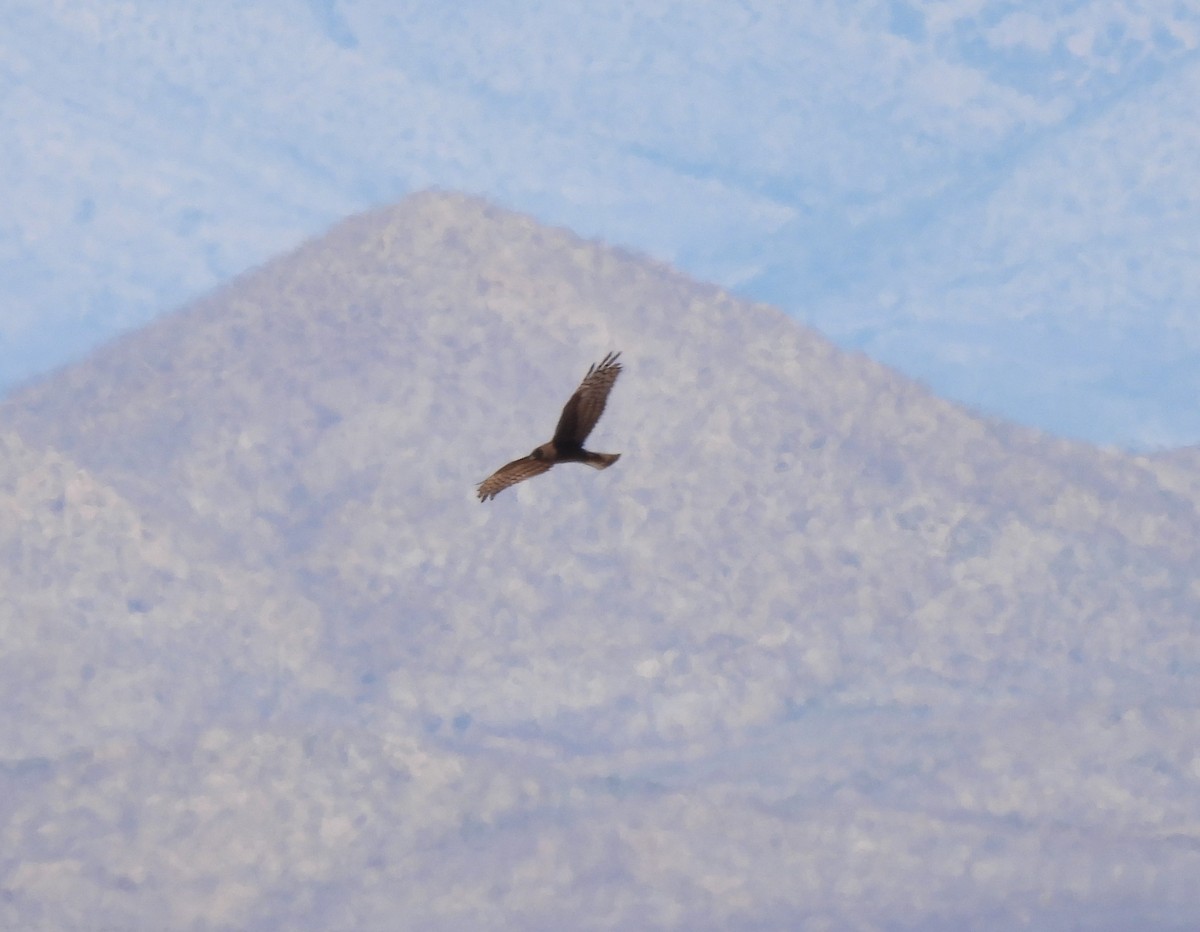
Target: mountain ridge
pixel 818 626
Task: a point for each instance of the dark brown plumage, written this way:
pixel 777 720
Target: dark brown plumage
pixel 579 416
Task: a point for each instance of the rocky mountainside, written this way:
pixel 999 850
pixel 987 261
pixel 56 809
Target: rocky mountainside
pixel 109 620
pixel 821 647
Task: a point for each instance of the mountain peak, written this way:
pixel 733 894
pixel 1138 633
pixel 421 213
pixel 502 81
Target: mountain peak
pixel 799 553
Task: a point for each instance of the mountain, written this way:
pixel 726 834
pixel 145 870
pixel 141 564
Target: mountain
pixel 994 196
pixel 821 649
pixel 109 619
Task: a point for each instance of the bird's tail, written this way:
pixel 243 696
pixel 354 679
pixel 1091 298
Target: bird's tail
pixel 601 460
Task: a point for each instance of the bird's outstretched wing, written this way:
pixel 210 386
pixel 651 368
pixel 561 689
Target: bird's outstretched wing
pixel 511 474
pixel 584 408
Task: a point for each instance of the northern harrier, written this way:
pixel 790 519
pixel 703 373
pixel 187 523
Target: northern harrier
pixel 578 418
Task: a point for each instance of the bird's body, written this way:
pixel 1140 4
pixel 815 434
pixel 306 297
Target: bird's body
pixel 579 416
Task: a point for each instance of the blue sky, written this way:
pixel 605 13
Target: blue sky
pixel 998 198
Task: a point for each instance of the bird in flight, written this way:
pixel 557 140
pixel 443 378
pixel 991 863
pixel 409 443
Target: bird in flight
pixel 579 416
